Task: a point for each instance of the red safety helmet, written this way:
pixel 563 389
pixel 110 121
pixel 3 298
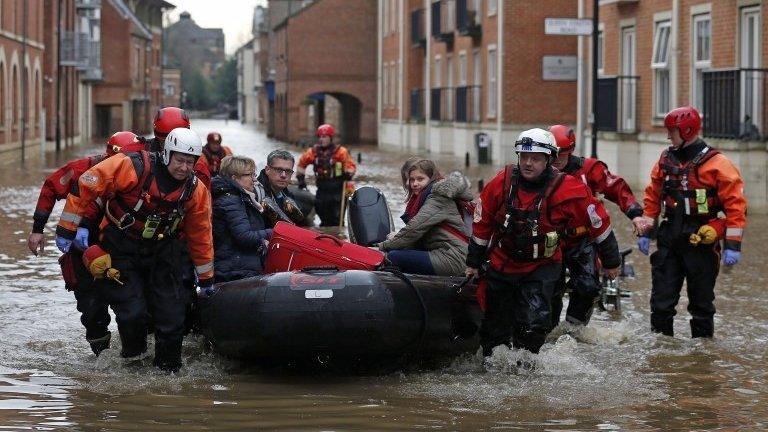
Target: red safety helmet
pixel 686 119
pixel 565 138
pixel 326 130
pixel 168 119
pixel 124 142
pixel 213 137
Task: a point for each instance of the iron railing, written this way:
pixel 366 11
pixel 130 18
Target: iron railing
pixel 468 100
pixel 617 104
pixel 443 20
pixel 468 18
pixel 417 104
pixel 736 104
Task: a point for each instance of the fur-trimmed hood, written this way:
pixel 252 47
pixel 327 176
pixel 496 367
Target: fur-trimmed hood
pixel 454 186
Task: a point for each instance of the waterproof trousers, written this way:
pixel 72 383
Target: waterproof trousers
pixel 328 201
pixel 519 307
pixel 93 308
pixel 151 285
pixel 584 282
pixel 675 261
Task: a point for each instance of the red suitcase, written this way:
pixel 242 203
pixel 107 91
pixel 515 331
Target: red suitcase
pixel 295 248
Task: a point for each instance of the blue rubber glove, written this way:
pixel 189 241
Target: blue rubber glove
pixel 644 244
pixel 63 244
pixel 732 257
pixel 81 239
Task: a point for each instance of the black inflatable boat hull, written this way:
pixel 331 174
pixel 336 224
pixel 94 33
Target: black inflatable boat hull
pixel 341 314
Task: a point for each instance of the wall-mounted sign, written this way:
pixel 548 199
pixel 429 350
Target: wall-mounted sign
pixel 568 26
pixel 559 68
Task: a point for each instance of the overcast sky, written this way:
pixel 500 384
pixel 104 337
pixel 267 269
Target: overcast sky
pixel 233 16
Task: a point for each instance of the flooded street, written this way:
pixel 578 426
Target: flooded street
pixel 614 375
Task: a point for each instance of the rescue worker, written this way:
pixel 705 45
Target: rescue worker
pixel 333 167
pixel 149 199
pixel 93 310
pixel 579 253
pixel 518 221
pixel 272 189
pixel 207 166
pixel 166 120
pixel 690 184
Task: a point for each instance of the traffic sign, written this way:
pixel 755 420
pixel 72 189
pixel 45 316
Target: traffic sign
pixel 568 26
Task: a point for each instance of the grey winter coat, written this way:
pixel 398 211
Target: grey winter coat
pixel 447 253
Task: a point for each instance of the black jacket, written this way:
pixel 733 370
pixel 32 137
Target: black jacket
pixel 239 232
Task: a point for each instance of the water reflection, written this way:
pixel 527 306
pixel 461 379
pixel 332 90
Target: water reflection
pixel 614 375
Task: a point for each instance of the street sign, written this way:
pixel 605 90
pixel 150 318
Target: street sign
pixel 568 26
pixel 559 68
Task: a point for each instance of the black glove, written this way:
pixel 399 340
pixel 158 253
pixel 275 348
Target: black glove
pixel 476 254
pixel 302 181
pixel 347 176
pixel 205 287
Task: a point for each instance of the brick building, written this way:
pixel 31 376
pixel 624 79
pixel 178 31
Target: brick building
pixel 251 67
pixel 21 73
pixel 452 71
pixel 324 68
pixel 130 91
pixel 193 48
pixel 660 54
pixel 171 87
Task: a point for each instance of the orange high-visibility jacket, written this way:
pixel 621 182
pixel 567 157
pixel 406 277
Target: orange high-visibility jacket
pixel 117 177
pixel 340 155
pixel 717 174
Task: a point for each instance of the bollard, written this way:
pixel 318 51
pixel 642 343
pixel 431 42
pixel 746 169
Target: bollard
pixel 359 157
pixel 466 159
pixel 480 185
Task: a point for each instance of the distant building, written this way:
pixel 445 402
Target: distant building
pixel 130 91
pixel 21 74
pixel 324 62
pixel 172 92
pixel 193 48
pixel 250 71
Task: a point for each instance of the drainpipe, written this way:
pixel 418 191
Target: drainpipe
pixel 499 76
pixel 379 87
pixel 675 50
pixel 427 69
pixel 595 23
pixel 581 104
pixel 24 79
pixel 58 77
pixel 400 96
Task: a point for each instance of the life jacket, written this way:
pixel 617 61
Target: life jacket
pixel 214 159
pixel 527 234
pixel 144 212
pixel 326 167
pixel 682 187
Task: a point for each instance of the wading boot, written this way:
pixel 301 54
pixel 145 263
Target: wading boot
pixel 702 327
pixel 100 344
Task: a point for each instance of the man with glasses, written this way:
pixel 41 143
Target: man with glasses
pixel 272 189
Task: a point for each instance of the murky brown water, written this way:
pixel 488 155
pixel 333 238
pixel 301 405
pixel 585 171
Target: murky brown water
pixel 616 375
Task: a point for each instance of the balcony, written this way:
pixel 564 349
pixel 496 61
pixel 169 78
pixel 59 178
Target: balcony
pixel 418 28
pixel 444 20
pixel 617 104
pixel 468 103
pixel 90 60
pixel 417 105
pixel 468 18
pixel 87 4
pixel 69 49
pixel 736 104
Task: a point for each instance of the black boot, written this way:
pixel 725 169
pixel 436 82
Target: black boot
pixel 167 356
pixel 662 325
pixel 100 344
pixel 702 327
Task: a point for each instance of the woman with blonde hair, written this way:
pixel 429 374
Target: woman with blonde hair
pixel 426 244
pixel 239 230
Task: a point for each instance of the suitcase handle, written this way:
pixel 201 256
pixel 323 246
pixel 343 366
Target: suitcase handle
pixel 330 237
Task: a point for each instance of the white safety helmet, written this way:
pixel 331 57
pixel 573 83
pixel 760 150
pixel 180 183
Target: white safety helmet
pixel 536 140
pixel 182 140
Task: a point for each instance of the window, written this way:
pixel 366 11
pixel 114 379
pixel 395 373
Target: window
pixel 492 7
pixel 385 17
pixel 660 65
pixel 393 85
pixel 751 84
pixel 436 75
pixel 492 83
pixel 449 91
pixel 478 80
pixel 702 57
pixel 462 68
pixel 600 52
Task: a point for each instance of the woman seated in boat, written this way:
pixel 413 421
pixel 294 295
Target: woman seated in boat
pixel 431 243
pixel 239 230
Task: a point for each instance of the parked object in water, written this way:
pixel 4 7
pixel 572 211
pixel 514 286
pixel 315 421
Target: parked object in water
pixel 341 317
pixel 306 202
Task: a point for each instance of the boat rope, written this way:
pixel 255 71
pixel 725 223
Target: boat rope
pixel 425 314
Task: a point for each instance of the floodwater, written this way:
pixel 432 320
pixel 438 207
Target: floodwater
pixel 615 375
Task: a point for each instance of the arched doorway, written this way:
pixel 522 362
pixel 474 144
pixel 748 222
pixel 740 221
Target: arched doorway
pixel 342 110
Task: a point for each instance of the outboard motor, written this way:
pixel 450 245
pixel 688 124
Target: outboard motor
pixel 368 216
